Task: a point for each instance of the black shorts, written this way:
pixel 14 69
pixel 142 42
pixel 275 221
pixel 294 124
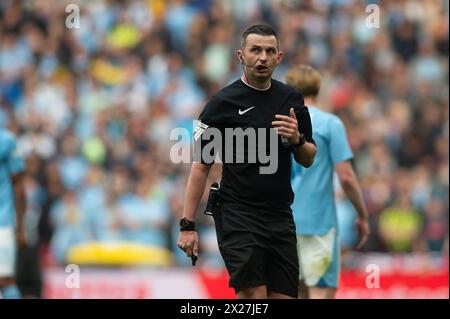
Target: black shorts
pixel 258 253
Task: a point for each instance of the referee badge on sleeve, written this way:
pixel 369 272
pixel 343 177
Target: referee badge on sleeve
pixel 199 128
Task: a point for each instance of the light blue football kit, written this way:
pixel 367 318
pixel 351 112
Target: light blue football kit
pixel 10 164
pixel 314 205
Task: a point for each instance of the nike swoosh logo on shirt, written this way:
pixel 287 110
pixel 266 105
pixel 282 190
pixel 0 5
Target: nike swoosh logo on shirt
pixel 245 111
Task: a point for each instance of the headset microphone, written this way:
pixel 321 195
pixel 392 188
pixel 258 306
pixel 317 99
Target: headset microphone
pixel 247 65
pixel 251 66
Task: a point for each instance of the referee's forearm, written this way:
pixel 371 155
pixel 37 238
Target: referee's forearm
pixel 194 189
pixel 304 155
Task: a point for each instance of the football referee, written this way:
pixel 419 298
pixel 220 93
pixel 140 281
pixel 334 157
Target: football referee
pixel 254 223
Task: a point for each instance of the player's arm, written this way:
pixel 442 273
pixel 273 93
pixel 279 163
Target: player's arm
pixel 352 189
pixel 20 203
pixel 188 240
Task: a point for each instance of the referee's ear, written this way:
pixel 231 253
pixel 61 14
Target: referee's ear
pixel 279 57
pixel 239 55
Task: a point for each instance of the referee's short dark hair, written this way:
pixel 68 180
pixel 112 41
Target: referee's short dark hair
pixel 260 29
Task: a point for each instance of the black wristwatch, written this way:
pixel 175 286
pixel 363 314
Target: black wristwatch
pixel 301 141
pixel 187 224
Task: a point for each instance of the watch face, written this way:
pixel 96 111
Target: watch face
pixel 184 222
pixel 302 139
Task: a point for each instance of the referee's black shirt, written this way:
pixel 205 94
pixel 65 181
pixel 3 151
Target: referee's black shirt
pixel 239 105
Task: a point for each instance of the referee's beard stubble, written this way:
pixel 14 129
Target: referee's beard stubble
pixel 258 68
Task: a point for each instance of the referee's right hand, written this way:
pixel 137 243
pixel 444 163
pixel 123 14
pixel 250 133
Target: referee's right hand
pixel 188 242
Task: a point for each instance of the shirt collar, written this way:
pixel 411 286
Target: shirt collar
pixel 243 80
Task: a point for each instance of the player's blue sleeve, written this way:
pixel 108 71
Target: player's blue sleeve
pixel 339 147
pixel 14 162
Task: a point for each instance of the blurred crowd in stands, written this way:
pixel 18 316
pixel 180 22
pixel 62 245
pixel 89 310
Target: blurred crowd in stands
pixel 93 108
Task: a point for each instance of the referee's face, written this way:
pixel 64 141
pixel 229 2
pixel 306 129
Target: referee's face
pixel 259 57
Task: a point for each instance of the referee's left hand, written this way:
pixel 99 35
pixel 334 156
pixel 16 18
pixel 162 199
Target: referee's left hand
pixel 287 126
pixel 188 242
